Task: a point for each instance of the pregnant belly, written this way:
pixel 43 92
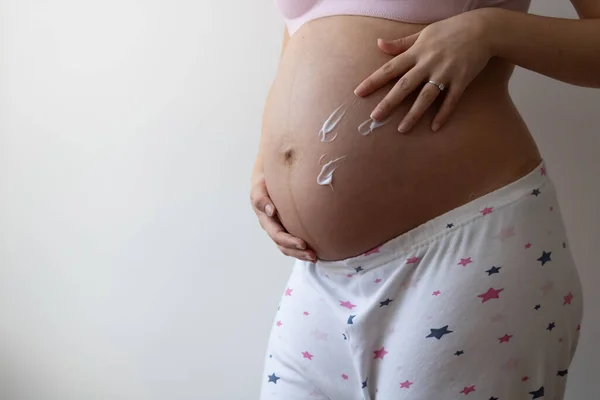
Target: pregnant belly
pixel 346 188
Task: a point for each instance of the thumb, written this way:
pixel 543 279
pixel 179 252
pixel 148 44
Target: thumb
pixel 397 46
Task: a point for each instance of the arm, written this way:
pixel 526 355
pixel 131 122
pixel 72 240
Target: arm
pixel 563 49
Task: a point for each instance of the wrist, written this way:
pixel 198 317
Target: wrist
pixel 493 19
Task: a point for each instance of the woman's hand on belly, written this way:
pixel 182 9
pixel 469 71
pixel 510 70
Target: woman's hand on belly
pixel 269 221
pixel 452 52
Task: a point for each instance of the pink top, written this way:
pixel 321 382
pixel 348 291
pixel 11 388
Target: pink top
pixel 299 12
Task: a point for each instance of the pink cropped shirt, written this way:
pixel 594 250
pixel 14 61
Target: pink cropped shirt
pixel 299 12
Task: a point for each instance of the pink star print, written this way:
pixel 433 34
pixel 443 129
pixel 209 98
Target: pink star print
pixel 279 322
pixel 288 292
pixel 347 304
pixel 373 251
pixel 380 353
pixel 543 170
pixel 512 364
pixel 497 318
pixel 490 294
pixel 528 245
pixel 568 298
pixel 345 377
pixel 436 293
pixel 413 260
pixel 306 354
pixel 319 335
pixel 560 340
pixel 505 338
pixel 465 261
pixel 524 379
pixel 506 233
pixel 377 280
pixel 468 389
pixel 548 286
pixel 305 313
pixel 349 275
pixel 406 384
pixel 578 327
pixel 487 210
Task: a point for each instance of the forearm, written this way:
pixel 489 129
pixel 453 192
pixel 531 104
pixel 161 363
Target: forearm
pixel 563 49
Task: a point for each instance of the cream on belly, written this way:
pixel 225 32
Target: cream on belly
pixel 325 177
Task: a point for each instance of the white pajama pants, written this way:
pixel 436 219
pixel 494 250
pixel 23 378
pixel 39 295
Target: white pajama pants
pixel 483 302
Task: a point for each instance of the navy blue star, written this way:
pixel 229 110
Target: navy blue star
pixel 545 257
pixel 493 270
pixel 537 393
pixel 438 333
pixel 386 302
pixel 493 398
pixel 537 307
pixel 535 192
pixel 562 373
pixel 459 353
pixel 358 269
pixel 344 335
pixel 364 384
pixel 351 319
pixel 550 326
pixel 270 355
pixel 273 378
pixel 564 245
pixel 449 226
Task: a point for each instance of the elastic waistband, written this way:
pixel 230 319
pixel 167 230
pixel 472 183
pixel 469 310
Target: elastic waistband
pixel 447 222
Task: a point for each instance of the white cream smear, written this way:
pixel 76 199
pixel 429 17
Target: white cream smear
pixel 331 123
pixel 321 158
pixel 333 120
pixel 326 175
pixel 370 125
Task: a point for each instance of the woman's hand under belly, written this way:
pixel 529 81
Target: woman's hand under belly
pixel 384 183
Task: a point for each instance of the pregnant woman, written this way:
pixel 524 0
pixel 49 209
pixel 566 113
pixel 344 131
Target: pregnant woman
pixel 431 257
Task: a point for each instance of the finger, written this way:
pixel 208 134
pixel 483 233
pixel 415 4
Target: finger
pixel 426 97
pixel 260 199
pixel 277 233
pixel 406 85
pixel 397 46
pixel 455 91
pixel 390 70
pixel 302 255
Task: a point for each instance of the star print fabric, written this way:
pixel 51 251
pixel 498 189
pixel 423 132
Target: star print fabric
pixel 483 302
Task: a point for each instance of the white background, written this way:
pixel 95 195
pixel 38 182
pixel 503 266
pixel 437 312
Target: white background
pixel 131 264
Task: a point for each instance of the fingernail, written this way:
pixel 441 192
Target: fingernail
pixel 310 257
pixel 376 114
pixel 358 91
pixel 403 128
pixel 301 246
pixel 269 210
pixel 435 127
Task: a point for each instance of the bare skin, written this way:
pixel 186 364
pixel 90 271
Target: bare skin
pixel 389 183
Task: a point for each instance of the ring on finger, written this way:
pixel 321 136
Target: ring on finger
pixel 439 85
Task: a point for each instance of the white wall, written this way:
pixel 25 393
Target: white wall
pixel 131 265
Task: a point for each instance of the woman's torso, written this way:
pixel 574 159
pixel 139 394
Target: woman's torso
pixel 388 183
